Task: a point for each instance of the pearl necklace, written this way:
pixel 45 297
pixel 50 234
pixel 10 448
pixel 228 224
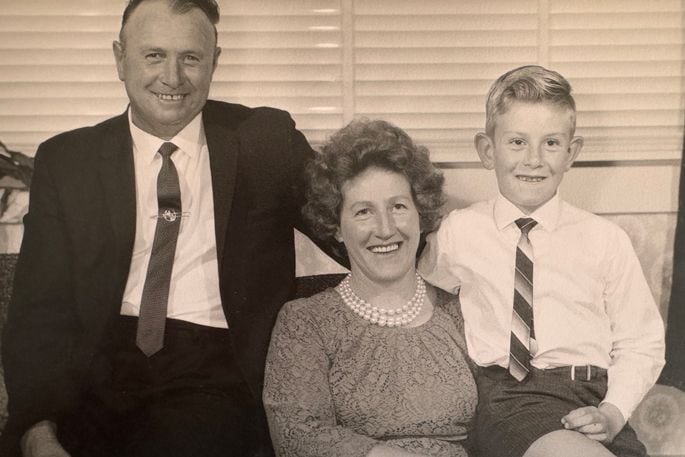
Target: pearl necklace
pixel 383 316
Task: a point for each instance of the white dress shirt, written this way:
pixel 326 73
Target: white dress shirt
pixel 591 302
pixel 194 290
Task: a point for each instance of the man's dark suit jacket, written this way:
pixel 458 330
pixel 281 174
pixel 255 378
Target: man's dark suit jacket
pixel 78 242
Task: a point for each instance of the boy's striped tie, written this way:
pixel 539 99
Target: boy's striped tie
pixel 522 341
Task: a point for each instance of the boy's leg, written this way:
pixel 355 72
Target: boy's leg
pixel 566 443
pixel 511 416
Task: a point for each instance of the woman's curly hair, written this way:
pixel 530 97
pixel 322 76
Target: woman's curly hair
pixel 362 144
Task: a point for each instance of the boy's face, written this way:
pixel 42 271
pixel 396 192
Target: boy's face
pixel 531 149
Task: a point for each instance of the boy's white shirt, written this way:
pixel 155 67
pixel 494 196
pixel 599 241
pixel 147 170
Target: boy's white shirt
pixel 591 302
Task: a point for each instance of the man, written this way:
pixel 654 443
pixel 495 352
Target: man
pixel 180 208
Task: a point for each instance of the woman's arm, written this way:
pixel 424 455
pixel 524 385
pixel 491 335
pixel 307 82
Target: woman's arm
pixel 297 396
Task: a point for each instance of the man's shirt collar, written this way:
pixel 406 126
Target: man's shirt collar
pixel 190 140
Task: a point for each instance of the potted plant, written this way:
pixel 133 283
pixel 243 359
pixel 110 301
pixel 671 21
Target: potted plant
pixel 16 170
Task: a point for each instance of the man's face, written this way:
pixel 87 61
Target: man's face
pixel 531 150
pixel 166 61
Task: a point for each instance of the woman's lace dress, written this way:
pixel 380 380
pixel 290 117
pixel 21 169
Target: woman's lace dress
pixel 337 385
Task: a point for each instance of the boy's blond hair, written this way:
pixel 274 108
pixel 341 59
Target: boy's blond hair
pixel 530 83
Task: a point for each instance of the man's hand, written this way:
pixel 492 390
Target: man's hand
pixel 600 424
pixel 41 441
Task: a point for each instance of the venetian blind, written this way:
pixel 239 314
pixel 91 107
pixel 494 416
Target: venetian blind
pixel 425 65
pixel 284 54
pixel 625 60
pixel 57 71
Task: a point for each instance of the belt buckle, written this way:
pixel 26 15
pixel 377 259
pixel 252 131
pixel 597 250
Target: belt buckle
pixel 588 372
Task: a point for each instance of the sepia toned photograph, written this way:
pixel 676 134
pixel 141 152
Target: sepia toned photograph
pixel 342 228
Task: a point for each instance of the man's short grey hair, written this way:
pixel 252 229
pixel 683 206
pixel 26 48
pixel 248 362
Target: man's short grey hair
pixel 209 7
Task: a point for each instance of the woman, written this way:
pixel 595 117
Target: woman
pixel 376 366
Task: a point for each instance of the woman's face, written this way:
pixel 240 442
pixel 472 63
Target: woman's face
pixel 379 225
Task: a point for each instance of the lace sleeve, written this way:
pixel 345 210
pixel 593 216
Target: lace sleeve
pixel 453 307
pixel 297 397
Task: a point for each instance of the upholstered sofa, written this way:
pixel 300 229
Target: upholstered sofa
pixel 7 264
pixel 660 420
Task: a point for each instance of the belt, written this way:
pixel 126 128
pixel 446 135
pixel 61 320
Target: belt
pixel 573 372
pixel 125 329
pixel 585 372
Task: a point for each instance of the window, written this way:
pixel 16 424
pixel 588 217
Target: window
pixel 425 65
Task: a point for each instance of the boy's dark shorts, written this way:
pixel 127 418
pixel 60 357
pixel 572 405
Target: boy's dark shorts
pixel 511 415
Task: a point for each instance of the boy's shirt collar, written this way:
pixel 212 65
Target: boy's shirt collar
pixel 547 216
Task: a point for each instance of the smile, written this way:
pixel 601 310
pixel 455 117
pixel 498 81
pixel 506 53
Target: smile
pixel 170 97
pixel 385 249
pixel 531 178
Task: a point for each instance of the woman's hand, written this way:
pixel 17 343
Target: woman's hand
pixel 41 441
pixel 600 424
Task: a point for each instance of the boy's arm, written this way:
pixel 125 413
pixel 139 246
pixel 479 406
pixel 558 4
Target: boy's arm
pixel 434 264
pixel 637 354
pixel 637 329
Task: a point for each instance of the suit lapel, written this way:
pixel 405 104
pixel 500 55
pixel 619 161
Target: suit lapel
pixel 223 148
pixel 117 176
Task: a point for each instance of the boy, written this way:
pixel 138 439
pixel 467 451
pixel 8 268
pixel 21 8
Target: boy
pixel 558 314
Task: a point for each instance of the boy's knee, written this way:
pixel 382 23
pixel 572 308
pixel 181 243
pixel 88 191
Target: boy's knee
pixel 566 443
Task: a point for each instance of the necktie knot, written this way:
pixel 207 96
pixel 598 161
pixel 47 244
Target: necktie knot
pixel 167 149
pixel 525 224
